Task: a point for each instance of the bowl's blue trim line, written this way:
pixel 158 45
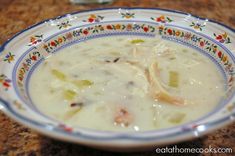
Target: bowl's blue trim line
pixel 116 136
pixel 25 120
pixel 115 8
pixel 14 71
pixel 99 23
pixel 220 104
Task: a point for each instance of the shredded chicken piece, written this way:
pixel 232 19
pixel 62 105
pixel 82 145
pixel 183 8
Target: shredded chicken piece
pixel 156 87
pixel 135 64
pixel 123 117
pixel 156 90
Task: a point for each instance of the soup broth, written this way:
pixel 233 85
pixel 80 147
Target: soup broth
pixel 126 83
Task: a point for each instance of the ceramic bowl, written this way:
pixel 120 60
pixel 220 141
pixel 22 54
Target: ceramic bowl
pixel 22 53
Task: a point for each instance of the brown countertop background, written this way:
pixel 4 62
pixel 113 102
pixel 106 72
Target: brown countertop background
pixel 16 15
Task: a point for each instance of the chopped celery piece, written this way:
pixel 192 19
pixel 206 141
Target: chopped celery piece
pixel 173 79
pixel 58 74
pixel 137 41
pixel 72 112
pixel 177 118
pixel 82 83
pixel 69 94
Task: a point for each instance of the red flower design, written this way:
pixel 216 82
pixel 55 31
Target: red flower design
pixel 158 19
pixel 202 44
pixel 109 27
pixel 6 84
pixel 85 32
pixel 146 29
pixel 169 31
pixel 91 20
pixel 222 38
pixel 220 54
pixel 34 58
pixel 219 37
pixel 53 43
pixel 20 78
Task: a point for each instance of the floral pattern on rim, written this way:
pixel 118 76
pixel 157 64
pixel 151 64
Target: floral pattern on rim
pixel 54 43
pixel 147 28
pixel 162 19
pixel 64 25
pixel 96 29
pixel 9 57
pixel 5 82
pixel 94 18
pixel 61 39
pixel 35 40
pixel 197 26
pixel 128 15
pixel 211 47
pixel 115 27
pixel 222 38
pixel 28 61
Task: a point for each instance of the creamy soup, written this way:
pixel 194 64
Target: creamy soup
pixel 126 83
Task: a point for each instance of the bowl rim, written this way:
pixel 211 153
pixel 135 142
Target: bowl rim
pixel 122 136
pixel 2 47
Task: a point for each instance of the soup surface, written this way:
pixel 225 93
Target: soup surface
pixel 126 83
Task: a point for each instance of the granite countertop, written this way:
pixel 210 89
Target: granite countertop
pixel 16 15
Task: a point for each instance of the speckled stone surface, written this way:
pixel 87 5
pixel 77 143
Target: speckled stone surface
pixel 16 15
